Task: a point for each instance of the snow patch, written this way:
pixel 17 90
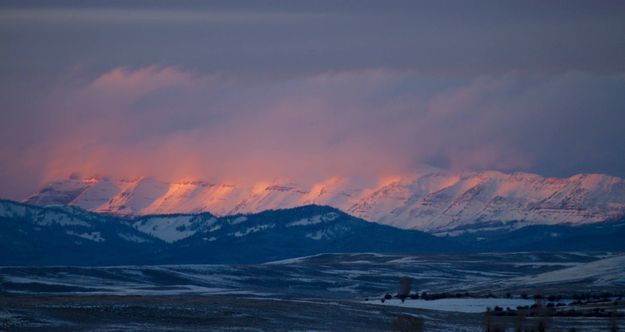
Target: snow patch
pixel 466 305
pixel 318 235
pixel 254 229
pixel 92 236
pixel 238 220
pixel 132 238
pixel 168 229
pixel 215 228
pixel 314 220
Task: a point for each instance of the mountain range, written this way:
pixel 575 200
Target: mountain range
pixel 68 235
pixel 431 200
pixel 65 235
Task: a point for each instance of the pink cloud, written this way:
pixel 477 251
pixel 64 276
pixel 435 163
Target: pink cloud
pixel 174 124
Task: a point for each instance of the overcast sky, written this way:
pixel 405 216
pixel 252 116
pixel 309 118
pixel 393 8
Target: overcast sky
pixel 306 90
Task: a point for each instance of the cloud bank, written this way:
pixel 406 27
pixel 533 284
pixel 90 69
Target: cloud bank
pixel 308 93
pixel 173 124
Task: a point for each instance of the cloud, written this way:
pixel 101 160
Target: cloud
pixel 259 130
pixel 128 83
pixel 248 91
pixel 172 123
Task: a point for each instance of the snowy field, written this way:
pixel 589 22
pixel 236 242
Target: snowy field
pixel 323 292
pixel 329 275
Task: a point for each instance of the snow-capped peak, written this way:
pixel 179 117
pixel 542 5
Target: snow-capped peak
pixel 427 199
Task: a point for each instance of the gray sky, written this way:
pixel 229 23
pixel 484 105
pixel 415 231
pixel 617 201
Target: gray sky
pixel 308 89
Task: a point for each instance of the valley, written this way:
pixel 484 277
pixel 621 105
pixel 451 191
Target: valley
pixel 321 292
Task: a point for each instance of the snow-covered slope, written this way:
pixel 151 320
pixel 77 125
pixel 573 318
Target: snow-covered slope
pixel 31 235
pixel 431 200
pixel 58 235
pixel 61 235
pixel 172 228
pixel 603 272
